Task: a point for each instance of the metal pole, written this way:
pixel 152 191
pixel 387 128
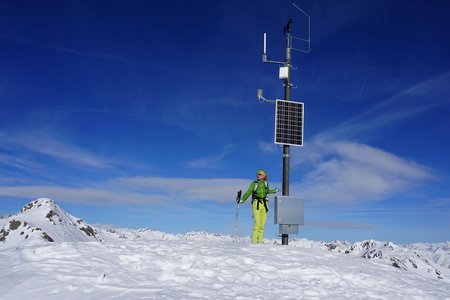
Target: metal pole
pixel 286 148
pixel 236 226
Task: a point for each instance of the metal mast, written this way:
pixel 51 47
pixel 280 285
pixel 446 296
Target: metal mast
pixel 285 74
pixel 287 96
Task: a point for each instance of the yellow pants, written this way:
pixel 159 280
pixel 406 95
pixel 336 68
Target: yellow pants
pixel 259 217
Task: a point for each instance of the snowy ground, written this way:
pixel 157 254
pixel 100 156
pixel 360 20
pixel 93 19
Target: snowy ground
pixel 158 268
pixel 46 253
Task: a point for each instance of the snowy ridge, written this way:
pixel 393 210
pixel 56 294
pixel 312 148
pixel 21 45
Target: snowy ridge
pixel 438 253
pixel 143 234
pixel 398 256
pixel 430 260
pixel 3 220
pixel 44 221
pixel 427 259
pixel 88 263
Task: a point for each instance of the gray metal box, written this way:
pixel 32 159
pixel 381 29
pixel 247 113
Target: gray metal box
pixel 289 210
pixel 287 229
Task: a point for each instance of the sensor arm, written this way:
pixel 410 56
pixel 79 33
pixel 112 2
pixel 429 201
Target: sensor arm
pixel 264 56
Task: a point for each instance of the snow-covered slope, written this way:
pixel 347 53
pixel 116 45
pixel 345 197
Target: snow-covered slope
pixel 403 257
pixel 170 267
pixel 44 221
pixel 438 253
pixel 430 260
pixel 406 257
pixel 135 264
pixel 146 234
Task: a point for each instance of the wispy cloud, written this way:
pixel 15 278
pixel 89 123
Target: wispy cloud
pixel 19 163
pixel 347 172
pixel 350 172
pixel 182 189
pixel 211 161
pixel 39 142
pixel 104 56
pixel 340 225
pixel 267 147
pixel 417 99
pixel 442 203
pixel 79 195
pixel 144 190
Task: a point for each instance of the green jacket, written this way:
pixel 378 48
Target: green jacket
pixel 261 191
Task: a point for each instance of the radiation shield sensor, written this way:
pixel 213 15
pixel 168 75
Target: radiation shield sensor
pixel 283 73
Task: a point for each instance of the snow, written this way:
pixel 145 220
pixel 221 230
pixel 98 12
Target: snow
pixel 202 269
pixel 438 253
pixel 146 264
pixel 430 260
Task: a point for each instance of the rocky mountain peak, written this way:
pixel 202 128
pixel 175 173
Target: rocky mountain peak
pixel 395 255
pixel 38 203
pixel 43 220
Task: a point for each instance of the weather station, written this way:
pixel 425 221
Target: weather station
pixel 289 126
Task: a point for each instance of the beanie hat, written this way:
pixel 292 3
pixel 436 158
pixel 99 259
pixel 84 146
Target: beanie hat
pixel 262 172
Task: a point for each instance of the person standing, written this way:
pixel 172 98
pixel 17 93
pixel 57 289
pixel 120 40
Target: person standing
pixel 259 189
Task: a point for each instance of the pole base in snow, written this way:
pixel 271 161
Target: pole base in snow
pixel 284 239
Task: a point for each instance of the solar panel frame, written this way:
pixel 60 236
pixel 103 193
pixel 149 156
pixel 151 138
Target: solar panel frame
pixel 289 123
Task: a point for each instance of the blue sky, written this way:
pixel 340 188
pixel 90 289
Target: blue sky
pixel 144 114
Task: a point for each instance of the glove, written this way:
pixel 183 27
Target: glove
pixel 238 197
pixel 277 188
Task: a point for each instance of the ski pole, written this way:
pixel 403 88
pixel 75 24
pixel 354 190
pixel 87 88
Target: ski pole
pixel 238 200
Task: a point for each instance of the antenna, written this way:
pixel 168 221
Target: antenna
pixel 265 53
pixel 308 39
pixel 265 44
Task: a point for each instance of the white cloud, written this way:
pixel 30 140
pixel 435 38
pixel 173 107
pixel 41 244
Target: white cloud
pixel 349 172
pixel 443 203
pixel 19 163
pixel 40 142
pixel 267 147
pixel 144 190
pixel 105 56
pixel 211 161
pixel 342 172
pixel 180 189
pixel 341 225
pixel 419 98
pixel 78 195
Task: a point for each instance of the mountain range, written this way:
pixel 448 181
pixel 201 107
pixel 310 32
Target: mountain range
pixel 43 221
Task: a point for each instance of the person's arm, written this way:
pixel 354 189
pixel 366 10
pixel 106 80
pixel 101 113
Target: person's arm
pixel 249 192
pixel 275 190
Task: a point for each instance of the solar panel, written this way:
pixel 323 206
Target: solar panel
pixel 289 123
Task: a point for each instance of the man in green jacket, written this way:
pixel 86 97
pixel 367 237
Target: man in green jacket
pixel 259 189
